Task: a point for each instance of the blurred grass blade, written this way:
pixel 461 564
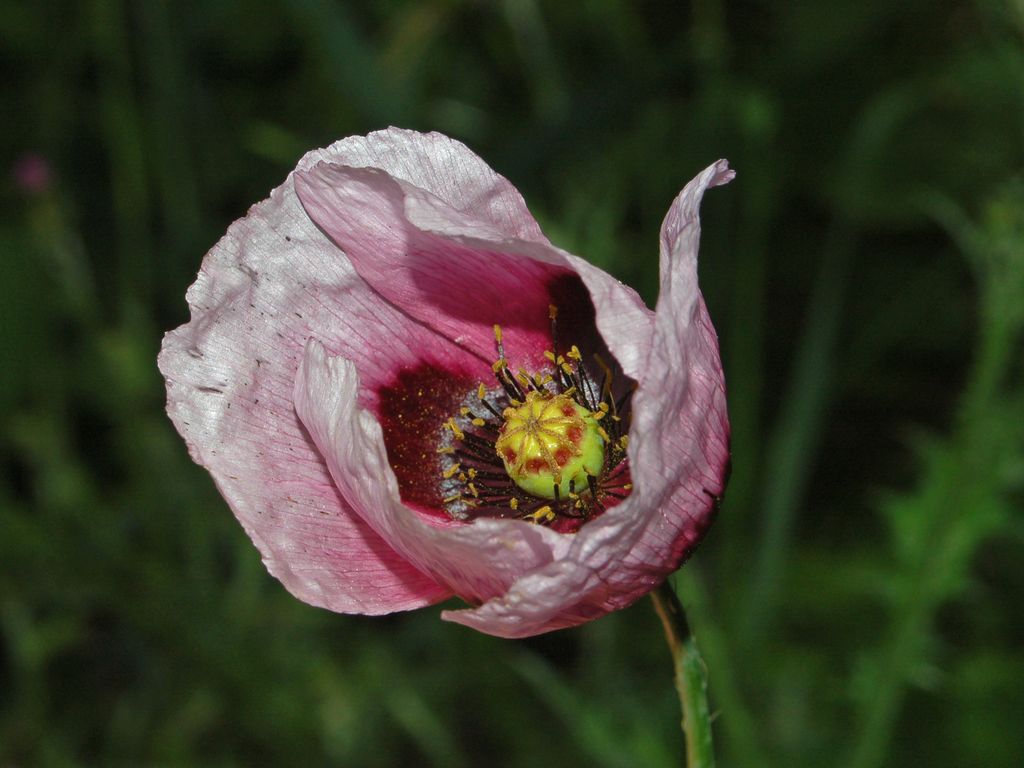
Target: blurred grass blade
pixel 964 495
pixel 799 432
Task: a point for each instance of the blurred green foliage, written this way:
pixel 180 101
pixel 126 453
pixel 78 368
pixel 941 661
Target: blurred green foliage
pixel 859 600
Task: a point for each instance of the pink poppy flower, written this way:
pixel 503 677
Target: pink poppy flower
pixel 341 380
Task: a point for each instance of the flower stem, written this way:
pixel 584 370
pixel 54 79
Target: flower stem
pixel 691 677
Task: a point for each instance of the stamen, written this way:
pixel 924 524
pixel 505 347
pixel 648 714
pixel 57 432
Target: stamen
pixel 459 434
pixel 606 382
pixel 497 341
pixel 474 452
pixel 620 406
pixel 481 395
pixel 508 383
pixel 541 514
pixel 584 377
pixel 469 438
pixel 555 357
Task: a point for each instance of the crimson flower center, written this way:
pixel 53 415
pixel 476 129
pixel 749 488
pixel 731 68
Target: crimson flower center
pixel 547 447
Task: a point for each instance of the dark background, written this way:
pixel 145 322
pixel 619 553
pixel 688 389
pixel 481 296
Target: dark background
pixel 859 600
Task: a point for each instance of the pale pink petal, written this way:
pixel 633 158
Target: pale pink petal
pixel 230 375
pixel 624 322
pixel 457 281
pixel 678 458
pixel 477 561
pixel 444 167
pixel 453 265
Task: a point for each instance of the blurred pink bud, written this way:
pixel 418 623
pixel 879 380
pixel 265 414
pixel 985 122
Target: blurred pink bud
pixel 32 173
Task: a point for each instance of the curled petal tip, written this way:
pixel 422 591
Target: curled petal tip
pixel 723 173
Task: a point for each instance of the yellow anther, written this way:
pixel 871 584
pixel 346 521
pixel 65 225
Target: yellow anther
pixel 567 368
pixel 549 355
pixel 552 311
pixel 451 471
pixel 627 487
pixel 499 365
pixel 464 411
pixel 446 449
pixel 514 503
pixel 603 406
pixel 459 434
pixel 598 415
pixel 497 333
pixel 462 477
pixel 478 422
pixel 624 442
pixel 574 354
pixel 544 513
pixel 472 489
pixel 472 473
pixel 481 392
pixel 449 499
pixel 603 434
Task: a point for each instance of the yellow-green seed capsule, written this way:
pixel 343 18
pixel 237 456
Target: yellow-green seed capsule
pixel 548 441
